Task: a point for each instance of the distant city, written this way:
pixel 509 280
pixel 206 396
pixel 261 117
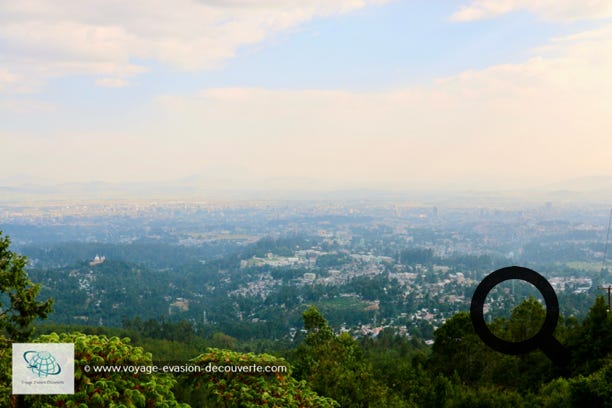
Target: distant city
pixel 369 265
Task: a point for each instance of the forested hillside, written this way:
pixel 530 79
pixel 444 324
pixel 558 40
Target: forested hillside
pixel 322 365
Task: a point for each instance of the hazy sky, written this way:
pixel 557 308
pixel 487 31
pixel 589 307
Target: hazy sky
pixel 306 93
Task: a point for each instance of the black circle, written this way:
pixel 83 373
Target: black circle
pixel 552 310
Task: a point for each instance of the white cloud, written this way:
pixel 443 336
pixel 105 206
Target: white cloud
pixel 111 82
pixel 545 119
pixel 26 106
pixel 7 77
pixel 565 10
pixel 8 80
pixel 542 120
pixel 103 37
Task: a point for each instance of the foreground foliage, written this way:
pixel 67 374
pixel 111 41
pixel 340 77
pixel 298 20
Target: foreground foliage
pixel 108 389
pixel 19 308
pixel 249 389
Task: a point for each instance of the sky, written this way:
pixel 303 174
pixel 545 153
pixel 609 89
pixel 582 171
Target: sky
pixel 306 94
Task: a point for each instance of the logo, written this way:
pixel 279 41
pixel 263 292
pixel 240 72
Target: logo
pixel 42 363
pixel 43 368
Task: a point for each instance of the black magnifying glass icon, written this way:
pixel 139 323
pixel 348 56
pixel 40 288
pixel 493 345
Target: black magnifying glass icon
pixel 543 339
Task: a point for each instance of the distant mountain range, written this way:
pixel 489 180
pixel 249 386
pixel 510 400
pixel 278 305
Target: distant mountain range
pixel 586 189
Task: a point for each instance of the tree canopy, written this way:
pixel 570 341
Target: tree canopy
pixel 18 304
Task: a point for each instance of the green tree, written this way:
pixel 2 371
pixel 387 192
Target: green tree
pixel 555 394
pixel 457 348
pixel 17 316
pixel 317 327
pixel 18 310
pixel 247 389
pixel 108 389
pixel 591 343
pixel 594 390
pixel 336 367
pixel 485 397
pixel 525 371
pixel 525 321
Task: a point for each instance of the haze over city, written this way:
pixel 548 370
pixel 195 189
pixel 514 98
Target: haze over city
pixel 317 95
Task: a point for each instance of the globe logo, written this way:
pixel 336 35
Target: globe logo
pixel 42 363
